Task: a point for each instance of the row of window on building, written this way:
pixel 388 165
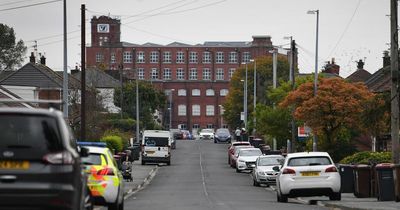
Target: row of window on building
pixel 194 74
pixel 197 92
pixel 196 110
pixel 233 57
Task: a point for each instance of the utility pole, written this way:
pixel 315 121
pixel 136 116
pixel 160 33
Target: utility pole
pixel 394 64
pixel 274 82
pixel 83 75
pixel 245 101
pixel 292 80
pixel 65 73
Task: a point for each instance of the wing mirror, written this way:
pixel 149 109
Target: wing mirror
pixel 83 152
pixel 276 168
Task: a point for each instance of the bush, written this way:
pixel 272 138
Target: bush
pixel 368 158
pixel 113 142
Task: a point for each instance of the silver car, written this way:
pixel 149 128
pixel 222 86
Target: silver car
pixel 263 172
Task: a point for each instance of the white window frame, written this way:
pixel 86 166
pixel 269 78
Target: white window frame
pixel 140 73
pixel 231 72
pixel 193 57
pixel 167 57
pixel 219 74
pixel 154 73
pixel 219 57
pixel 127 57
pixel 206 57
pixel 181 110
pixel 193 74
pixel 210 92
pixel 154 57
pixel 246 57
pixel 210 110
pixel 196 92
pixel 140 57
pixel 99 57
pixel 180 74
pixel 233 58
pixel 181 92
pixel 206 74
pixel 113 58
pixel 196 110
pixel 223 92
pixel 180 57
pixel 167 74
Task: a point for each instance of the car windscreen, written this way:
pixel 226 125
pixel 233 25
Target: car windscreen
pixel 222 132
pixel 309 161
pixel 250 153
pixel 93 159
pixel 156 141
pixel 269 161
pixel 38 133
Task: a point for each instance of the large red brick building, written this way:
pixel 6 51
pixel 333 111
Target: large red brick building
pixel 197 75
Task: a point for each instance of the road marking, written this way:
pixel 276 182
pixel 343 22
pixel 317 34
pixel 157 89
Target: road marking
pixel 203 176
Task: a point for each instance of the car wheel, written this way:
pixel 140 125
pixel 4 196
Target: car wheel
pixel 237 170
pixel 88 200
pixel 255 183
pixel 335 196
pixel 143 163
pixel 169 163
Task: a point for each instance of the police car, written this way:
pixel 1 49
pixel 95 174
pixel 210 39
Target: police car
pixel 105 181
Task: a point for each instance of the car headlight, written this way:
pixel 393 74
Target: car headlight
pixel 216 136
pixel 240 160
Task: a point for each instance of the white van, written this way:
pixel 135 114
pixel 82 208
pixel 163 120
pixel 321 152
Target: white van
pixel 156 147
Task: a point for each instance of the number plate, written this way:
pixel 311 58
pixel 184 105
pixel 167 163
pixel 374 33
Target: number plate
pixel 310 173
pixel 14 164
pixel 150 152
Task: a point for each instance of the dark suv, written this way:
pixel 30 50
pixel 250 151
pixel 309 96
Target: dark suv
pixel 40 165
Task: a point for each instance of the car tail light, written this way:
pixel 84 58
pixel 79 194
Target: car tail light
pixel 59 158
pixel 331 169
pixel 288 171
pixel 106 171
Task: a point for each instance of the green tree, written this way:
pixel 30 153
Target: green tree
pixel 234 101
pixel 150 100
pixel 11 52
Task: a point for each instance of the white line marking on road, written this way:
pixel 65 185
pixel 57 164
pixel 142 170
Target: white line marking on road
pixel 203 177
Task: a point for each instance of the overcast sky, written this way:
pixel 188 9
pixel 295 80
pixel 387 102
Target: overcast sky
pixel 349 29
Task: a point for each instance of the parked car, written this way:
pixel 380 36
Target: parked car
pixel 222 135
pixel 177 133
pixel 206 133
pixel 232 147
pixel 186 135
pixel 235 154
pixel 308 174
pixel 246 158
pixel 105 179
pixel 40 163
pixel 263 172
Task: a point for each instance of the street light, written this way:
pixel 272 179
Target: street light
pixel 254 95
pixel 170 108
pixel 221 112
pixel 245 99
pixel 316 68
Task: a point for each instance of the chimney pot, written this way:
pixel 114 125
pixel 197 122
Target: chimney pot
pixel 32 58
pixel 43 60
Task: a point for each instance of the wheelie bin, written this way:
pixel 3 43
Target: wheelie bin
pixel 396 175
pixel 362 181
pixel 346 178
pixel 385 182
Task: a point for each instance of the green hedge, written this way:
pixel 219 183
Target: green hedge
pixel 113 142
pixel 367 158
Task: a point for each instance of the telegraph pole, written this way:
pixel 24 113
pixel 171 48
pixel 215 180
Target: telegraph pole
pixel 292 80
pixel 65 73
pixel 83 75
pixel 394 65
pixel 274 82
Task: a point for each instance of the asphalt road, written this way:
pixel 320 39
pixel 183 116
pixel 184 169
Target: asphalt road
pixel 199 178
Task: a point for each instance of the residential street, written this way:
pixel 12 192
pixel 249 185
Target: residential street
pixel 199 178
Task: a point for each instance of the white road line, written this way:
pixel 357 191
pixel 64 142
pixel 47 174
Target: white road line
pixel 203 176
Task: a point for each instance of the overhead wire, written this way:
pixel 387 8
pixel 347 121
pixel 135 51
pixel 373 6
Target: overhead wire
pixel 345 29
pixel 29 5
pixel 14 2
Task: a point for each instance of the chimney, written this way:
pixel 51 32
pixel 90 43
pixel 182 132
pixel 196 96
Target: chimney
pixel 360 64
pixel 262 41
pixel 43 60
pixel 386 58
pixel 32 58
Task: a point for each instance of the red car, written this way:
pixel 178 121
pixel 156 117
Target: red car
pixel 232 147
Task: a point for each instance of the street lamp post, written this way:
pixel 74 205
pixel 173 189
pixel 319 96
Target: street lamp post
pixel 254 95
pixel 245 99
pixel 221 112
pixel 170 108
pixel 315 139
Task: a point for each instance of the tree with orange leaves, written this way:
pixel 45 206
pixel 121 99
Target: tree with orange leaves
pixel 338 105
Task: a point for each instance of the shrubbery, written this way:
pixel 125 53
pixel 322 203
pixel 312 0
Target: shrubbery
pixel 113 142
pixel 368 158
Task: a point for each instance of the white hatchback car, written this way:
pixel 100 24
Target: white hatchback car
pixel 263 172
pixel 308 174
pixel 246 158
